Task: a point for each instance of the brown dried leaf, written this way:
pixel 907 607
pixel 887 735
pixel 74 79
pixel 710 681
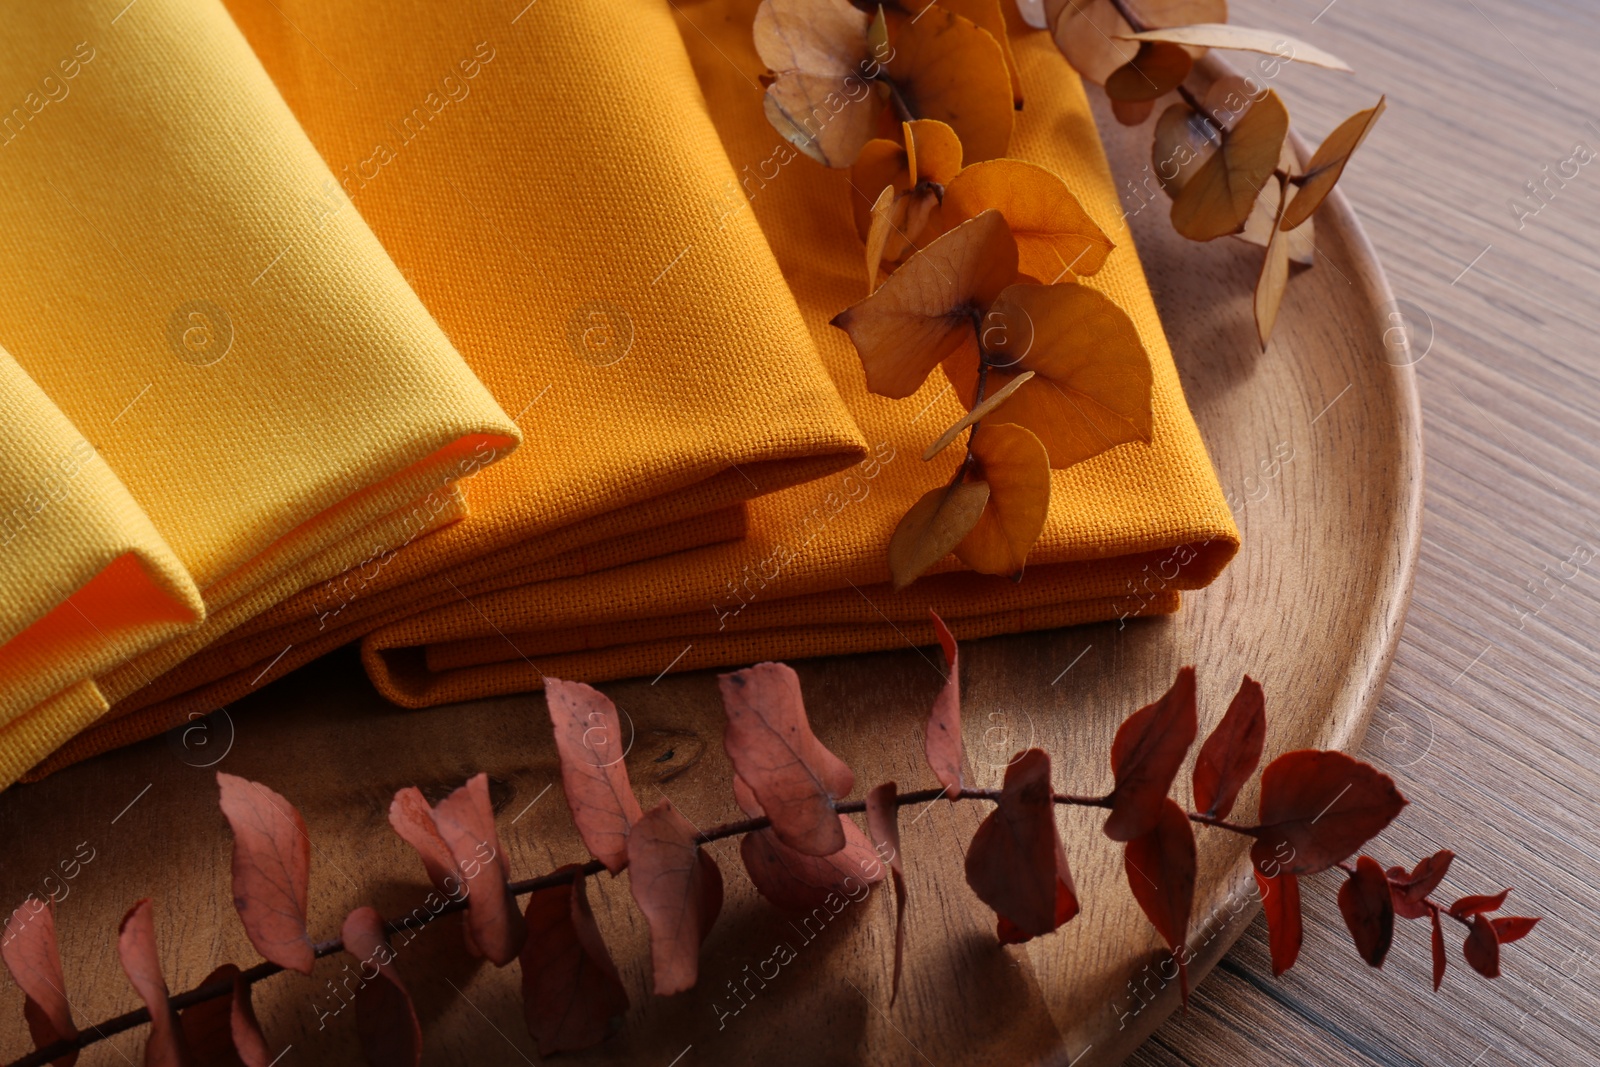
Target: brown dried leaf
pixel 942 744
pixel 1243 39
pixel 679 889
pixel 223 1031
pixel 1328 163
pixel 1088 31
pixel 1156 70
pixel 1132 112
pixel 928 309
pixel 931 153
pixel 1016 467
pixel 465 820
pixel 32 956
pixel 1016 863
pixel 883 822
pixel 821 99
pixel 1216 199
pixel 1262 224
pixel 1183 142
pixel 1274 274
pixel 989 403
pixel 1145 756
pixel 570 988
pixel 1055 236
pixel 945 67
pixel 1231 753
pixel 1368 912
pixel 933 527
pixel 271 871
pixel 386 1020
pixel 792 774
pixel 590 743
pixel 136 949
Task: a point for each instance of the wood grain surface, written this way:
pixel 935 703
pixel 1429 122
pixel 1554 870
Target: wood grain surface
pixel 1488 721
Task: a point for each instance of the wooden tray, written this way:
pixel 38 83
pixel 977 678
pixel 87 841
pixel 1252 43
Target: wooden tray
pixel 1318 443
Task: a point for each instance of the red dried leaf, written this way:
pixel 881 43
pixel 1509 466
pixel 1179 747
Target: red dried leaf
pixel 1477 905
pixel 1482 947
pixel 1016 863
pixel 570 987
pixel 1160 866
pixel 791 773
pixel 136 948
pixel 883 823
pixel 1317 808
pixel 1425 877
pixel 1438 950
pixel 271 871
pixel 223 1031
pixel 412 818
pixel 943 743
pixel 1230 755
pixel 1280 901
pixel 1368 912
pixel 746 799
pixel 589 740
pixel 1145 757
pixel 385 1017
pixel 34 960
pixel 678 888
pixel 1509 928
pixel 465 820
pixel 796 882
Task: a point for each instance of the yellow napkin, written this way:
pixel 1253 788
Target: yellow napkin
pixel 1127 530
pixel 548 179
pixel 210 392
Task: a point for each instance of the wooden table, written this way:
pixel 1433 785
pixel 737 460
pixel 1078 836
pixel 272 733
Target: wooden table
pixel 1489 722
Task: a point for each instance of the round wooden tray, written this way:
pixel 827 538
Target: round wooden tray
pixel 1318 443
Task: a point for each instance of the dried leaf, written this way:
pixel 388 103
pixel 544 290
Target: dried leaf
pixel 271 871
pixel 412 818
pixel 933 527
pixel 590 743
pixel 678 888
pixel 1145 756
pixel 1439 959
pixel 1364 903
pixel 988 15
pixel 136 949
pixel 945 67
pixel 934 151
pixel 1280 902
pixel 1230 755
pixel 1055 236
pixel 929 308
pixel 1509 928
pixel 1156 70
pixel 821 99
pixel 1327 164
pixel 1482 947
pixel 1477 905
pixel 883 822
pixel 795 882
pixel 386 1020
pixel 1274 274
pixel 1243 39
pixel 990 402
pixel 1132 112
pixel 1317 808
pixel 1261 228
pixel 888 217
pixel 1091 34
pixel 465 820
pixel 223 1031
pixel 792 774
pixel 931 153
pixel 1016 863
pixel 1183 142
pixel 1216 199
pixel 1410 890
pixel 1093 385
pixel 32 956
pixel 1016 467
pixel 570 988
pixel 1161 865
pixel 943 740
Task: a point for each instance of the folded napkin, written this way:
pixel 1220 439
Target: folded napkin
pixel 1127 530
pixel 547 179
pixel 211 395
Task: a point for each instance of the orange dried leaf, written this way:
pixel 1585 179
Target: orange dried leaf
pixel 386 1020
pixel 570 988
pixel 136 950
pixel 944 66
pixel 1132 112
pixel 882 162
pixel 1243 39
pixel 591 746
pixel 1145 756
pixel 465 820
pixel 1274 275
pixel 990 16
pixel 1055 236
pixel 223 1031
pixel 1156 70
pixel 32 956
pixel 1093 385
pixel 791 774
pixel 933 527
pixel 1015 464
pixel 1216 199
pixel 935 151
pixel 1092 35
pixel 822 99
pixel 928 308
pixel 942 743
pixel 1231 752
pixel 1327 164
pixel 271 871
pixel 1016 863
pixel 679 889
pixel 883 822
